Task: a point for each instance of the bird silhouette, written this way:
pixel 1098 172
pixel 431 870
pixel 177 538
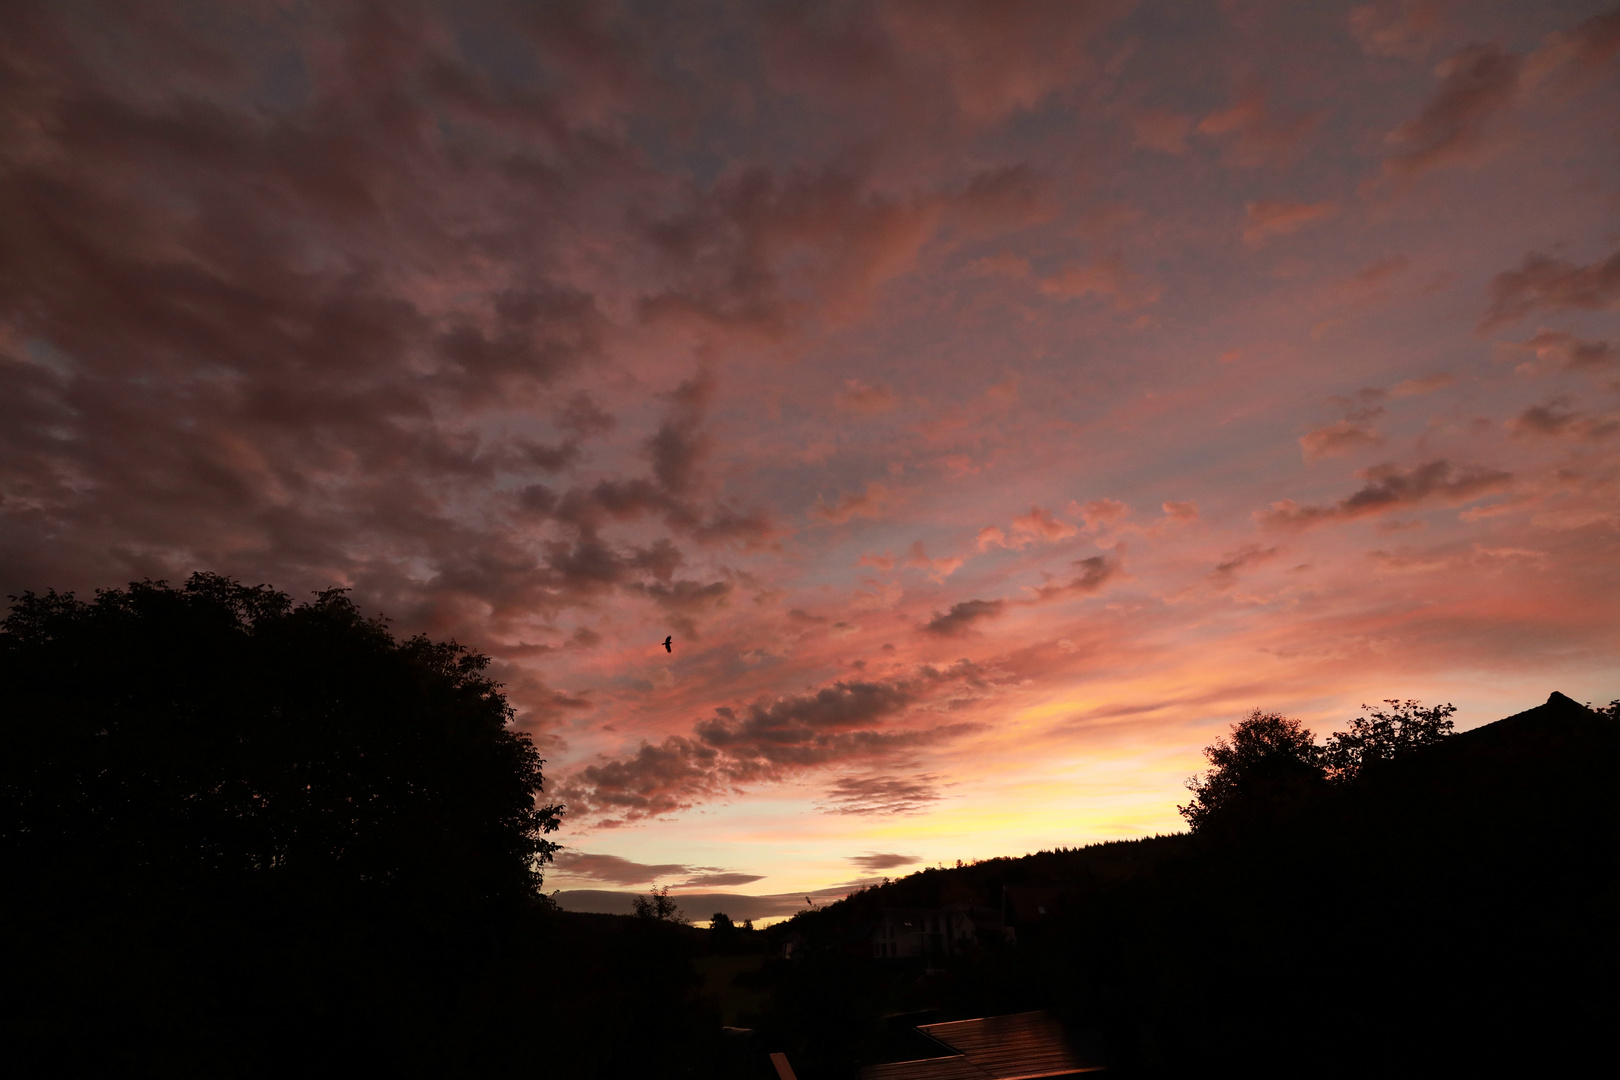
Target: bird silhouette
pixel 667 640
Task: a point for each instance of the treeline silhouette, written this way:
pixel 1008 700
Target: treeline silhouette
pixel 1441 908
pixel 243 836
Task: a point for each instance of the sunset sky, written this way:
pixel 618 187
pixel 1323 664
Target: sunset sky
pixel 995 400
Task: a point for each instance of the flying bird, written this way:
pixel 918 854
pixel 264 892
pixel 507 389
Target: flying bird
pixel 667 640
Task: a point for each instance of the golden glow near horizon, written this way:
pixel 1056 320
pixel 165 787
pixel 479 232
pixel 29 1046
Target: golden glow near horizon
pixel 992 414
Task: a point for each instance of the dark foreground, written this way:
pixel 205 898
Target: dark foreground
pixel 1454 912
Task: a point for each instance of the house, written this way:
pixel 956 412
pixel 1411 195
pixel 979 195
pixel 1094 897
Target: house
pixel 1020 1046
pixel 931 932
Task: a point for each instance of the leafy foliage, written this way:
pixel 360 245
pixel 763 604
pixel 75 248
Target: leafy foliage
pixel 1383 735
pixel 1268 769
pixel 1272 765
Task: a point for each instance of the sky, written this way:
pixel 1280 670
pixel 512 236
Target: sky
pixel 994 401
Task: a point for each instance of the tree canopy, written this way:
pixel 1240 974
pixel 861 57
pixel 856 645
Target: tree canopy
pixel 1383 735
pixel 1272 765
pixel 659 905
pixel 1269 767
pixel 222 733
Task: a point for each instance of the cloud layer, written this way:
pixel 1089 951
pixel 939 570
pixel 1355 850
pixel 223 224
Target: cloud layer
pixel 853 347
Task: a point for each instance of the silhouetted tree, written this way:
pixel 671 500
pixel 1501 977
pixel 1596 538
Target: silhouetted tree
pixel 1268 770
pixel 219 732
pixel 658 904
pixel 723 932
pixel 1383 735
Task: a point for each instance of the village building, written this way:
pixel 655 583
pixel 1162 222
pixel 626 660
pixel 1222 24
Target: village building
pixel 932 933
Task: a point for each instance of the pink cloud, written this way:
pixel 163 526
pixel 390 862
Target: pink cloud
pixel 962 616
pixel 1005 264
pixel 866 504
pixel 845 723
pixel 916 557
pixel 1582 50
pixel 938 569
pixel 1338 439
pixel 1181 511
pixel 1100 513
pixel 1094 572
pixel 887 796
pixel 1542 283
pixel 1406 29
pixel 989 537
pixel 867 399
pixel 1107 279
pixel 1040 525
pixel 1371 278
pixel 1267 218
pixel 1424 384
pixel 998 58
pixel 1235 563
pixel 1560 350
pixel 613 869
pixel 1555 418
pixel 1390 488
pixel 1258 137
pixel 1477 85
pixel 1158 129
